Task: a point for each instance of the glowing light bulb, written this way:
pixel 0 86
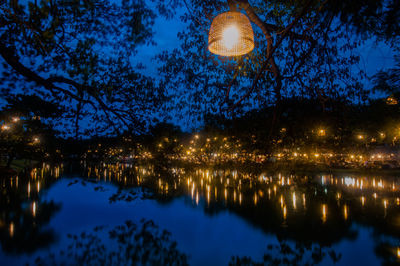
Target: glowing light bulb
pixel 230 37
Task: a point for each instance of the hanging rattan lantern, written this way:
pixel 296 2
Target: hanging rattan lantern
pixel 231 34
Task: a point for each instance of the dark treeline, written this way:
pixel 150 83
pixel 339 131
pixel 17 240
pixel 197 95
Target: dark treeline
pixel 303 124
pixel 335 124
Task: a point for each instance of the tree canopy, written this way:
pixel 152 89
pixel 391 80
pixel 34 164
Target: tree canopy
pixel 79 55
pixel 303 48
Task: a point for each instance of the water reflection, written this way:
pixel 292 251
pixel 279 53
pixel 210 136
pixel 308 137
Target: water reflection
pixel 302 208
pixel 23 215
pixel 126 244
pixel 298 253
pixel 308 214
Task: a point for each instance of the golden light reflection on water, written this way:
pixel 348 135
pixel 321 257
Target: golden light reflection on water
pixel 11 229
pixel 284 212
pixel 233 187
pixel 294 200
pixel 262 195
pixel 34 209
pixel 324 211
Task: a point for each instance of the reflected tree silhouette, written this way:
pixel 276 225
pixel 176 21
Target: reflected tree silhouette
pixel 286 253
pixel 305 226
pixel 386 251
pixel 126 244
pixel 24 230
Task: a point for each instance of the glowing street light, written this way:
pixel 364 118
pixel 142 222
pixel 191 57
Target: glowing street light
pixel 5 127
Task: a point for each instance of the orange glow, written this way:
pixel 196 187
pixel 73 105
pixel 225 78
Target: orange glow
pixel 324 212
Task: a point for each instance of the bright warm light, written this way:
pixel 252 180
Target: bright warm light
pixel 324 211
pixel 15 119
pixel 5 127
pixel 294 200
pixel 34 209
pixel 230 37
pixel 284 212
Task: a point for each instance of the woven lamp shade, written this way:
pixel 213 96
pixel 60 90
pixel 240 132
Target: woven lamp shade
pixel 231 34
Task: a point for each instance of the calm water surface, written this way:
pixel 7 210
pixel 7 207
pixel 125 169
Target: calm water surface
pixel 124 214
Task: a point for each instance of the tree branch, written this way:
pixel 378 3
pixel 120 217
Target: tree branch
pixel 9 56
pixel 270 49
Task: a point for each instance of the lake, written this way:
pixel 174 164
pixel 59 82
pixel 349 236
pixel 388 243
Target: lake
pixel 162 214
